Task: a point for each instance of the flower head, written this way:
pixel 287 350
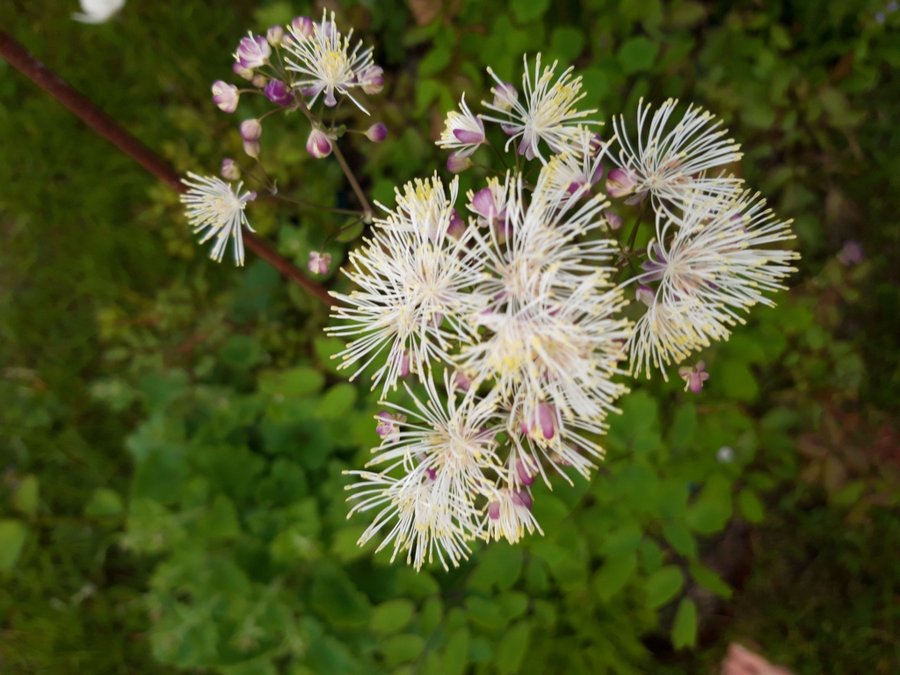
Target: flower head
pixel 319 262
pixel 672 164
pixel 694 377
pixel 412 278
pixel 708 269
pixel 253 51
pixel 318 144
pixel 225 96
pixel 326 62
pixel 463 132
pixel 548 112
pixel 217 210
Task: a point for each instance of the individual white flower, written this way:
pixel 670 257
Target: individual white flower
pixel 326 62
pixel 710 268
pixel 672 164
pixel 580 166
pixel 215 209
pixel 412 276
pixel 440 459
pixel 98 11
pixel 463 131
pixel 548 112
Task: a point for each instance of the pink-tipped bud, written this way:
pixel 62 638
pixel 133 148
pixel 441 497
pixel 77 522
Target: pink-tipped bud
pixel 645 294
pixel 404 364
pixel 251 129
pixel 694 377
pixel 596 144
pixel 319 263
pixel 253 51
pixel 371 80
pixel 278 93
pixel 505 95
pixel 523 471
pixel 620 183
pixel 377 132
pixel 613 219
pixel 457 226
pixel 318 144
pixel 494 510
pixel 302 27
pixel 546 418
pixel 230 169
pixel 522 498
pixel 252 149
pixel 461 381
pixel 225 96
pixel 456 163
pixel 275 35
pixel 239 70
pixel 483 203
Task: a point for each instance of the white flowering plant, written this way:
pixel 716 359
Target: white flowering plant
pixel 511 318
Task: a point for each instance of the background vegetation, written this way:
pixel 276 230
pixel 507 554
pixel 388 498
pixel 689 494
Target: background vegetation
pixel 173 433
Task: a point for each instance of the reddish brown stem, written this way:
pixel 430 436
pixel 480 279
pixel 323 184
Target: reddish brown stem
pixel 104 125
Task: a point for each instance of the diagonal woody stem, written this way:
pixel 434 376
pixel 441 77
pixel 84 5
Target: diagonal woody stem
pixel 104 125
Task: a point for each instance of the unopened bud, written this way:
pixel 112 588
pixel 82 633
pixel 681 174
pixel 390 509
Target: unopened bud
pixel 274 35
pixel 505 95
pixel 225 96
pixel 230 169
pixel 253 51
pixel 377 132
pixel 620 183
pixel 613 219
pixel 318 144
pixel 278 93
pixel 319 262
pixel 372 80
pixel 461 381
pixel 259 81
pixel 239 70
pixel 645 294
pixel 456 163
pixel 404 364
pixel 457 226
pixel 524 472
pixel 522 498
pixel 251 129
pixel 252 148
pixel 302 27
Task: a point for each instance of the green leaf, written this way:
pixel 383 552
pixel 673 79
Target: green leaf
pixel 614 575
pixel 401 648
pixel 25 498
pixel 12 539
pixel 624 539
pixel 736 380
pixel 512 648
pixel 336 598
pixel 711 510
pixel 663 585
pixel 391 616
pixel 710 580
pixel 484 612
pixel 684 427
pixel 498 565
pixel 529 10
pixel 637 54
pixel 104 503
pixel 567 43
pixel 684 628
pixel 750 506
pixel 456 652
pixel 681 539
pixel 294 383
pixel 337 401
pixel 241 352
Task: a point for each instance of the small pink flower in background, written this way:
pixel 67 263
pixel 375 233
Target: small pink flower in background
pixel 318 144
pixel 253 51
pixel 620 183
pixel 694 377
pixel 230 169
pixel 377 132
pixel 251 129
pixel 225 96
pixel 851 253
pixel 457 163
pixel 319 263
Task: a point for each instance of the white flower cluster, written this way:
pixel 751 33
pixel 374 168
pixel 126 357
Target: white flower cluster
pixel 510 310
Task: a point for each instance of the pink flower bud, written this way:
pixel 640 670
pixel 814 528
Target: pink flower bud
pixel 302 27
pixel 225 96
pixel 251 129
pixel 456 163
pixel 239 70
pixel 371 80
pixel 546 415
pixel 252 148
pixel 851 254
pixel 318 144
pixel 646 295
pixel 388 425
pixel 694 377
pixel 505 95
pixel 230 169
pixel 457 226
pixel 613 219
pixel 522 498
pixel 319 262
pixel 253 51
pixel 431 473
pixel 620 183
pixel 404 364
pixel 278 93
pixel 461 381
pixel 377 132
pixel 494 510
pixel 523 471
pixel 274 35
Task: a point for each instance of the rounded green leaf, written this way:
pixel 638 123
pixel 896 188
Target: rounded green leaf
pixel 12 539
pixel 750 506
pixel 25 498
pixel 615 573
pixel 663 585
pixel 391 616
pixel 684 628
pixel 513 647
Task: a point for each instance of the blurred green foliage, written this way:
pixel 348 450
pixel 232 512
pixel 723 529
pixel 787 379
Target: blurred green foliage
pixel 174 432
